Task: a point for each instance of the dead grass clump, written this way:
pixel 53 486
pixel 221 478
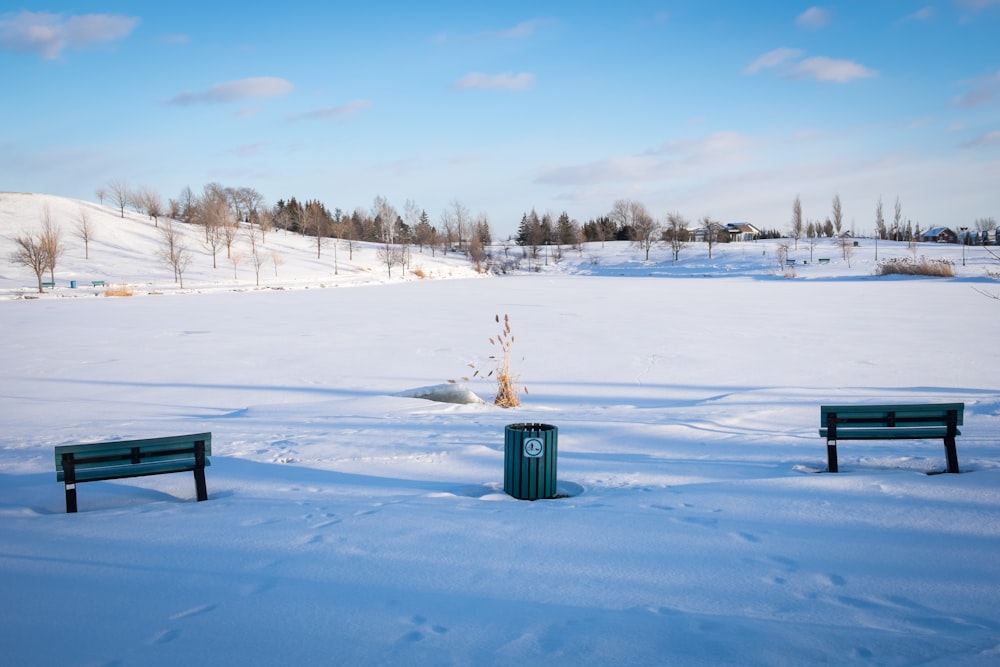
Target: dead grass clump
pixel 420 273
pixel 507 388
pixel 118 290
pixel 904 266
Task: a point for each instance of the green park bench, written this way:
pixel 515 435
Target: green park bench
pixel 891 422
pixel 48 283
pixel 824 260
pixel 133 458
pixel 97 283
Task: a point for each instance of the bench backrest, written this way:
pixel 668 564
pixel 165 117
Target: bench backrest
pixel 133 458
pixel 931 420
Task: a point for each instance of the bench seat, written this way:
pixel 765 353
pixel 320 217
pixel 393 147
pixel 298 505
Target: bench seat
pixel 133 458
pixel 892 422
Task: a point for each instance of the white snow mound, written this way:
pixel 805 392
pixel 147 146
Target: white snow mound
pixel 443 393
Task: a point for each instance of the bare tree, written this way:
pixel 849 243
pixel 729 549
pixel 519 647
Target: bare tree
pixel 390 255
pixel 645 228
pixel 120 195
pixel 621 214
pixel 676 234
pixel 29 251
pixel 265 221
pixel 712 230
pixel 51 238
pixel 256 251
pixel 316 222
pixel 235 258
pixel 84 231
pixel 463 222
pixel 477 253
pixel 148 201
pixel 846 244
pixel 797 220
pixel 175 252
pixel 102 194
pixel 277 260
pixel 879 220
pixel 838 215
pixel 897 220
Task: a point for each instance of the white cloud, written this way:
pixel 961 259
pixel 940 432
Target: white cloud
pixel 674 158
pixel 505 81
pixel 985 90
pixel 987 140
pixel 772 59
pixel 977 5
pixel 232 91
pixel 822 68
pixel 522 30
pixel 48 35
pixel 924 14
pixel 342 111
pixel 814 17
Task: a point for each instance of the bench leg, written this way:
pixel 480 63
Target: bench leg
pixel 199 470
pixel 199 484
pixel 951 454
pixel 831 456
pixel 69 477
pixel 70 498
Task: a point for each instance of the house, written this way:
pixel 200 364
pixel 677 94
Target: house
pixel 939 235
pixel 742 231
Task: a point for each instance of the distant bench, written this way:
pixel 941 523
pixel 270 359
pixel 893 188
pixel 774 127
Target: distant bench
pixel 891 422
pixel 824 260
pixel 48 283
pixel 97 283
pixel 133 458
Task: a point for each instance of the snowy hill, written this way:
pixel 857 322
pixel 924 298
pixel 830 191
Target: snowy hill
pixel 351 520
pixel 127 251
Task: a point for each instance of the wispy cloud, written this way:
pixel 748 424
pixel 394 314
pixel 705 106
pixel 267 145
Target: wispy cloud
pixel 822 68
pixel 48 35
pixel 523 30
pixel 673 158
pixel 977 5
pixel 772 59
pixel 922 15
pixel 177 38
pixel 505 81
pixel 986 140
pixel 984 90
pixel 338 112
pixel 814 17
pixel 234 91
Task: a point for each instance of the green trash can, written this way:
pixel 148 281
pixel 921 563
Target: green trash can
pixel 530 452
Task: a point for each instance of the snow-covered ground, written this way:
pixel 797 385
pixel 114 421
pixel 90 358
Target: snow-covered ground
pixel 352 523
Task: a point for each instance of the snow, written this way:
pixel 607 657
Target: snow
pixel 356 512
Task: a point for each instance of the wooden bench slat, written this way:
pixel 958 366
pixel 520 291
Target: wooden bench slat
pixel 890 433
pixel 94 474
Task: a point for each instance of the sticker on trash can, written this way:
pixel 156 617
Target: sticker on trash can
pixel 533 447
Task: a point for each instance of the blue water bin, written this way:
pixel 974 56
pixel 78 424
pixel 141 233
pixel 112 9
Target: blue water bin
pixel 530 453
pixel 72 284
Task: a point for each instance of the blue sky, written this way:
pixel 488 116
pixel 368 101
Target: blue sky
pixel 721 108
